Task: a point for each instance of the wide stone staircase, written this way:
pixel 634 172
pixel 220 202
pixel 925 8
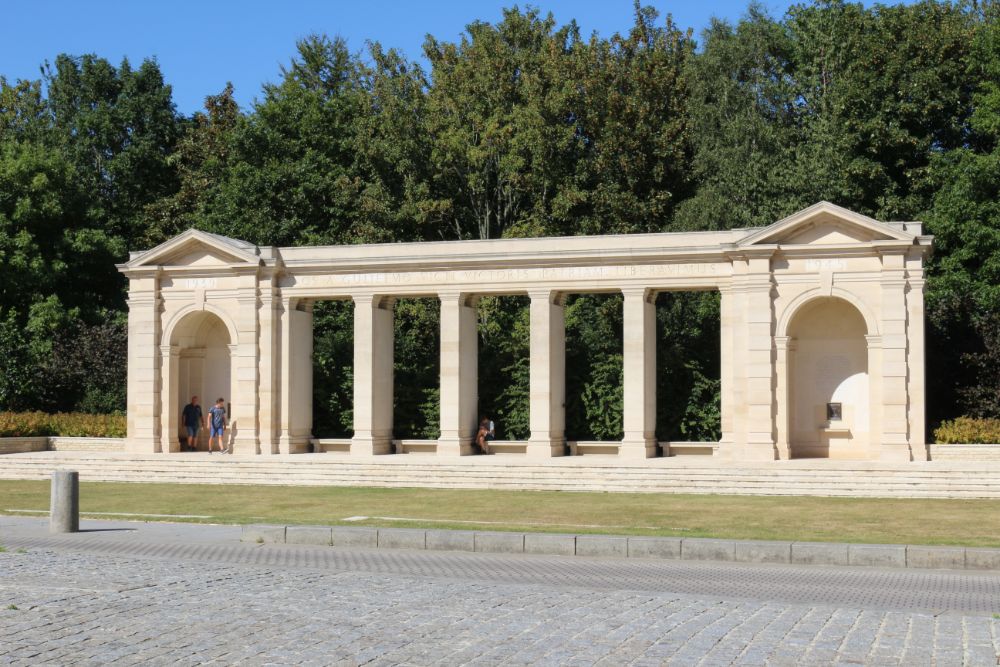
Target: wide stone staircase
pixel 814 477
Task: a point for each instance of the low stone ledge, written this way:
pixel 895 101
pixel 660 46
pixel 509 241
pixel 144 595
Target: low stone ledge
pixel 498 542
pixel 314 535
pixel 357 537
pixel 877 555
pixel 263 534
pixel 402 538
pixel 23 445
pixel 936 558
pixel 819 553
pixel 654 547
pixel 753 551
pixel 602 546
pixel 982 559
pixel 81 444
pixel 966 452
pixel 697 548
pixel 450 540
pixel 550 544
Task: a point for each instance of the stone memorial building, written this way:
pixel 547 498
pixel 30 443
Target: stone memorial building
pixel 822 333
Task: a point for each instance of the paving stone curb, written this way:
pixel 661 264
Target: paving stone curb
pixel 617 546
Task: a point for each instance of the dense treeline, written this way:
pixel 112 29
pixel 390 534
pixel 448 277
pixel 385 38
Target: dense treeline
pixel 522 128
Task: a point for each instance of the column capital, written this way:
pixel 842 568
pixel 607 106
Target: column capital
pixel 874 342
pixel 554 297
pixel 464 299
pixel 170 350
pixel 380 301
pixel 645 293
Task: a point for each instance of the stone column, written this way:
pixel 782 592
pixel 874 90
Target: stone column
pixel 639 336
pixel 727 388
pixel 270 366
pixel 759 364
pixel 373 374
pixel 917 361
pixel 459 396
pixel 170 357
pixel 144 390
pixel 243 359
pixel 547 418
pixel 296 376
pixel 784 348
pixel 895 427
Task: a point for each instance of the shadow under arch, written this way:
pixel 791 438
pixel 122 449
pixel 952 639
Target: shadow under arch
pixel 829 384
pixel 199 364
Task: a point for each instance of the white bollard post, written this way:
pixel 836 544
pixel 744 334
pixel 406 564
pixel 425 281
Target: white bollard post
pixel 64 504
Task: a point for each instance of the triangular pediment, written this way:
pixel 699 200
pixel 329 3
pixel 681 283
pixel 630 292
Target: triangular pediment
pixel 825 224
pixel 196 248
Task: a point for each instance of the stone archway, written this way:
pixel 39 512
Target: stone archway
pixel 829 395
pixel 201 360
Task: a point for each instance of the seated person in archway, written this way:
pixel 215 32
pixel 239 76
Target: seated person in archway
pixel 192 418
pixel 217 425
pixel 483 436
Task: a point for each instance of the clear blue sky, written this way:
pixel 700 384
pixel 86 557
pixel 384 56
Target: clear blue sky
pixel 202 44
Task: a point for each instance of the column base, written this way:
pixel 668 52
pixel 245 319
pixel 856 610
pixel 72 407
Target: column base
pixel 244 446
pixel 896 452
pixel 142 446
pixel 293 445
pixel 637 449
pixel 755 451
pixel 545 449
pixel 371 446
pixel 454 447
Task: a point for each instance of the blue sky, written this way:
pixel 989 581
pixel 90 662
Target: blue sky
pixel 202 44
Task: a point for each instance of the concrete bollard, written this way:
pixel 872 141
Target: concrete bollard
pixel 64 503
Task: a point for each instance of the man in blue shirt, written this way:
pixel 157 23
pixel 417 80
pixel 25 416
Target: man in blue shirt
pixel 217 425
pixel 192 420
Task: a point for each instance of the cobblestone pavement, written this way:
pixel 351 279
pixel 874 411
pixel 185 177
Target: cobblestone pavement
pixel 140 596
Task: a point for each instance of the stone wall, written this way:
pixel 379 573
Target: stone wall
pixel 59 444
pixel 953 452
pixel 23 445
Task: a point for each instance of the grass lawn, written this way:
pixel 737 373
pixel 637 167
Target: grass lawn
pixel 909 521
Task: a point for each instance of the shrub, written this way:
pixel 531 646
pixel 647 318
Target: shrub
pixel 968 430
pixel 68 424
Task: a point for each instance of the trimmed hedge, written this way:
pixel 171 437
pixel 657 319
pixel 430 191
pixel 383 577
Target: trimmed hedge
pixel 968 431
pixel 66 424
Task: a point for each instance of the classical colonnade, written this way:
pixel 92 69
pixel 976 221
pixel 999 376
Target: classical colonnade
pixel 821 333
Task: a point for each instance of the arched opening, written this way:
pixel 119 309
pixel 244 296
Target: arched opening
pixel 829 390
pixel 203 367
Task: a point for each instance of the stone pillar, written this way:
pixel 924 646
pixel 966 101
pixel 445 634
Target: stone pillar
pixel 270 366
pixel 783 367
pixel 296 376
pixel 639 336
pixel 459 396
pixel 244 379
pixel 144 390
pixel 373 374
pixel 727 388
pixel 917 361
pixel 758 362
pixel 170 358
pixel 895 427
pixel 547 418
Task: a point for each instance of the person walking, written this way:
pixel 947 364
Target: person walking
pixel 217 425
pixel 192 419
